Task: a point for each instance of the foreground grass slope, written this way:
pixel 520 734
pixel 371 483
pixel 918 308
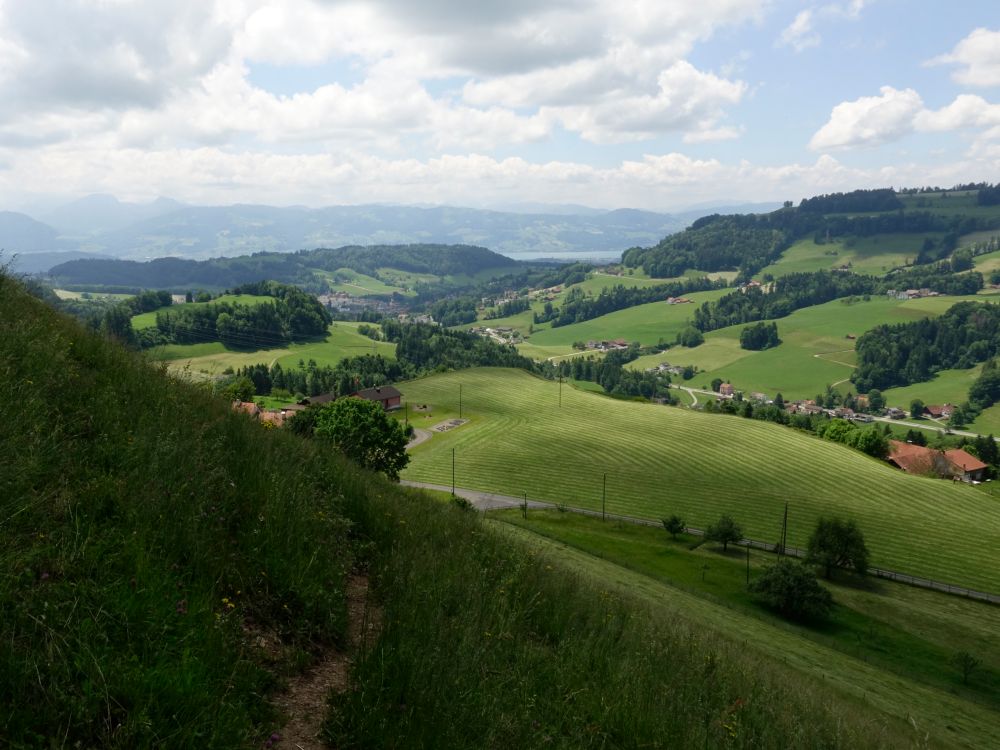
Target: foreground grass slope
pixel 662 460
pixel 153 540
pixel 150 537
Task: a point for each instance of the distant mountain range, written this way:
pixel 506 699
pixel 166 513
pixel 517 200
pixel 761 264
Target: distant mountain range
pixel 104 226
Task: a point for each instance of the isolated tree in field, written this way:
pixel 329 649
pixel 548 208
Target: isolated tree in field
pixel 876 401
pixel 690 336
pixel 674 525
pixel 362 431
pixel 725 530
pixel 965 663
pixel 916 408
pixel 836 543
pixel 792 589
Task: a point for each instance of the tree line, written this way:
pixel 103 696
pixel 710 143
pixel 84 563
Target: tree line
pixel 906 353
pixel 293 315
pixel 749 242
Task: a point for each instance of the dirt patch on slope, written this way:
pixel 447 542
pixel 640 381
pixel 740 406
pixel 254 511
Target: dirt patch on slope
pixel 305 700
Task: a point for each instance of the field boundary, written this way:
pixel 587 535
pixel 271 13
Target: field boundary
pixel 487 501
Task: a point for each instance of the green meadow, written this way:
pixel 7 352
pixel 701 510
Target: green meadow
pixel 889 644
pixel 342 341
pixel 815 351
pixel 148 319
pixel 873 255
pixel 646 324
pixel 358 284
pixel 662 460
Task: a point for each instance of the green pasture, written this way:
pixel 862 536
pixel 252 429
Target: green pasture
pixel 987 262
pixel 947 387
pixel 949 204
pixel 873 255
pixel 815 351
pixel 661 460
pixel 148 319
pixel 357 284
pixel 342 341
pixel 890 645
pixel 646 324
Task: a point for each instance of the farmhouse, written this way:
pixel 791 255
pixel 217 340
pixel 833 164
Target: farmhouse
pixel 939 411
pixel 955 463
pixel 726 389
pixel 386 395
pixel 678 300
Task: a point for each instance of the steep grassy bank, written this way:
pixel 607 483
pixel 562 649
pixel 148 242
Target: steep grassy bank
pixel 490 643
pixel 151 539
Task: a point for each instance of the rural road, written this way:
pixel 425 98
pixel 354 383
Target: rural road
pixel 419 436
pixel 480 500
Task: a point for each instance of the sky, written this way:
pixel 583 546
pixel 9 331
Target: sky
pixel 653 104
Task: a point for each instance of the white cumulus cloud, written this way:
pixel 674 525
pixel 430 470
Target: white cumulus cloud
pixel 870 120
pixel 978 56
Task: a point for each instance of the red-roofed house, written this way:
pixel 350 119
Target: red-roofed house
pixel 955 463
pixel 939 411
pixel 247 407
pixel 386 395
pixel 969 468
pixel 726 389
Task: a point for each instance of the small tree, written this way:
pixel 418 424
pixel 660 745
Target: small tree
pixel 965 663
pixel 916 408
pixel 716 384
pixel 362 431
pixel 674 525
pixel 725 530
pixel 837 544
pixel 793 590
pixel 779 401
pixel 876 401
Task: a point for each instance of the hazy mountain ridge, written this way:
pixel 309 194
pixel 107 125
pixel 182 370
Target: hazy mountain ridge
pixel 103 225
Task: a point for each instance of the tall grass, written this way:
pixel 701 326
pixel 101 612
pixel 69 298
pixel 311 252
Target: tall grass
pixel 488 644
pixel 151 541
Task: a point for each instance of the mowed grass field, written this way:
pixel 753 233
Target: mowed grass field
pixel 814 352
pixel 211 358
pixel 662 460
pixel 148 319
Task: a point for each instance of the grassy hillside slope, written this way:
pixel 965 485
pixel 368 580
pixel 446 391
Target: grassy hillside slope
pixel 150 536
pixel 661 460
pixel 153 540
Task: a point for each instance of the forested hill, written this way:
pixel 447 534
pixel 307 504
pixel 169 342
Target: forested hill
pixel 748 242
pixel 292 268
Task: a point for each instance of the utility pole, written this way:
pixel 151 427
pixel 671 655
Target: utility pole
pixel 459 400
pixel 748 562
pixel 453 472
pixel 560 390
pixel 604 498
pixel 784 531
pixel 524 508
pixel 407 412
